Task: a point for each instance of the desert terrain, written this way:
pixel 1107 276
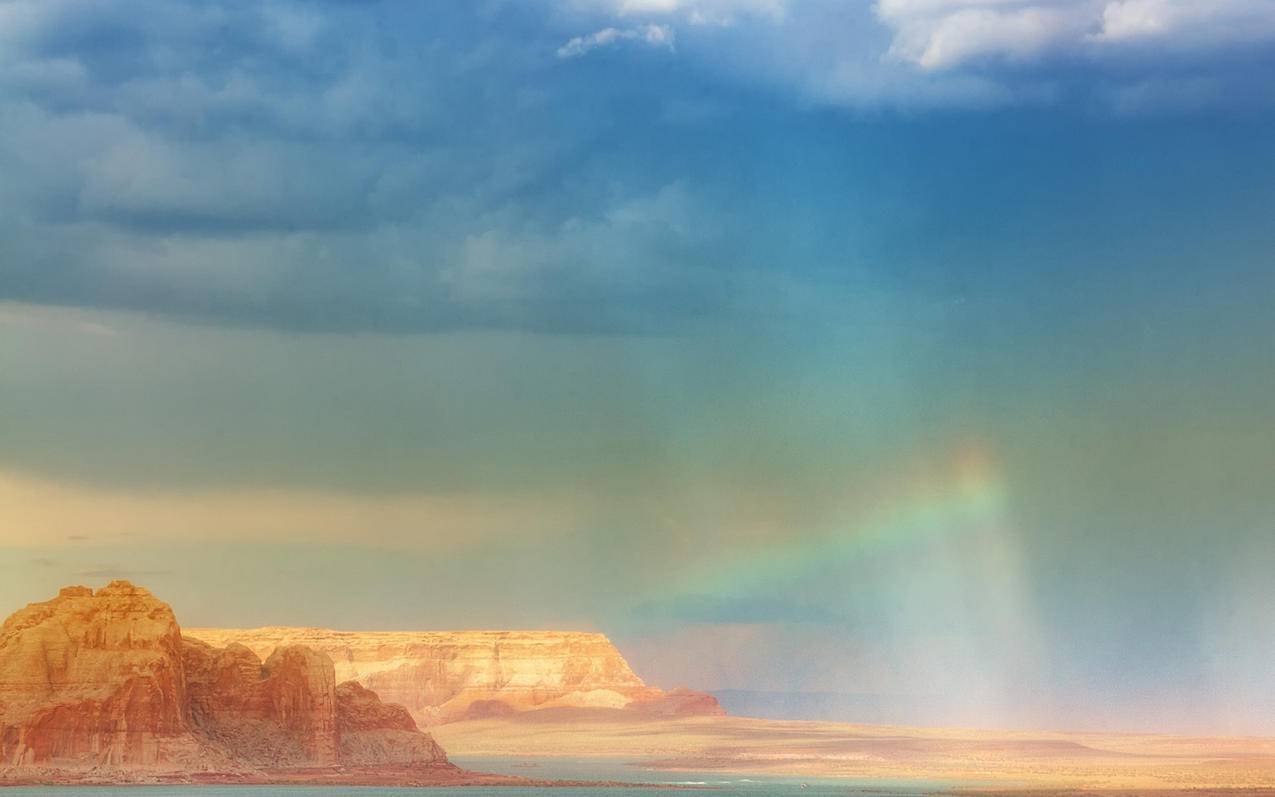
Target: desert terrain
pixel 976 759
pixel 101 686
pixel 104 687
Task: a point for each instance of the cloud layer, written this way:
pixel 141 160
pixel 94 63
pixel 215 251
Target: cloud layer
pixel 376 167
pixel 947 34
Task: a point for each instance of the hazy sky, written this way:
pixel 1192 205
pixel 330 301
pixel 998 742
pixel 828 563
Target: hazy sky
pixel 916 352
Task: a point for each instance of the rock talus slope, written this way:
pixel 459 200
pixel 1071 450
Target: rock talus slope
pixel 372 732
pixel 443 676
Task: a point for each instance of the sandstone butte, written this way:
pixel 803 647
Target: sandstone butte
pixel 103 687
pixel 442 676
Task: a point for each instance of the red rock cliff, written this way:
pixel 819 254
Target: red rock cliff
pixel 105 681
pixel 93 678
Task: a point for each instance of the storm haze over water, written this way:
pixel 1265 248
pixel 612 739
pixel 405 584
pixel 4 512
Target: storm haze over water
pixel 905 361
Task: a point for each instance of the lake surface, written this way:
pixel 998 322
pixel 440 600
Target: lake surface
pixel 722 784
pixel 722 788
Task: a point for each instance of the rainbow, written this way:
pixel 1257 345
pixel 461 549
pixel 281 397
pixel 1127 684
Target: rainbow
pixel 965 494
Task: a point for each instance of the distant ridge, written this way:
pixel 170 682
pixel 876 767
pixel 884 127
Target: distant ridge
pixel 445 676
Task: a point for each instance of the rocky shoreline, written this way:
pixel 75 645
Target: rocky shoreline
pixel 446 776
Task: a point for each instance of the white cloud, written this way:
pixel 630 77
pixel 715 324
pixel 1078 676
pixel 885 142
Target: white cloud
pixel 1193 24
pixel 647 6
pixel 654 35
pixel 694 11
pixel 963 53
pixel 939 36
pixel 947 34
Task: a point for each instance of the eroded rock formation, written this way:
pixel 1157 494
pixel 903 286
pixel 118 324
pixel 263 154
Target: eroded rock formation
pixel 93 677
pixel 446 676
pixel 280 714
pixel 372 732
pixel 104 681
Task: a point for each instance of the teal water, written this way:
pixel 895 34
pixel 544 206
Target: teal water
pixel 721 784
pixel 723 787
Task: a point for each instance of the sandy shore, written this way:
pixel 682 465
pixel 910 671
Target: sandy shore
pixel 1053 763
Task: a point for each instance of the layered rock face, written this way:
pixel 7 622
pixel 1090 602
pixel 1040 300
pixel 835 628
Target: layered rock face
pixel 446 676
pixel 93 678
pixel 105 680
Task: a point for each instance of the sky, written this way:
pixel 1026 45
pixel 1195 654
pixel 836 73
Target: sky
pixel 903 361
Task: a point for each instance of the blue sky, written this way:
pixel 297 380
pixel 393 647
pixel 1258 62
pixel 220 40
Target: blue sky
pixel 913 351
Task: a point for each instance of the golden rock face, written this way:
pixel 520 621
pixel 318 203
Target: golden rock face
pixel 92 680
pixel 444 676
pixel 439 676
pixel 92 676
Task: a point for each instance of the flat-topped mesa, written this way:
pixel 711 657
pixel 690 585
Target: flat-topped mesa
pixel 97 682
pixel 444 676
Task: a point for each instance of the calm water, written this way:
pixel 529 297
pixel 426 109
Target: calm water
pixel 722 784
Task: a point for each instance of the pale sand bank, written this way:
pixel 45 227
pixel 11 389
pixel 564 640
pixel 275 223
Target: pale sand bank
pixel 1143 763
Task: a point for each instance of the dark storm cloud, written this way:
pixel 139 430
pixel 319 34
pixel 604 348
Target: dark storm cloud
pixel 330 166
pixel 322 166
